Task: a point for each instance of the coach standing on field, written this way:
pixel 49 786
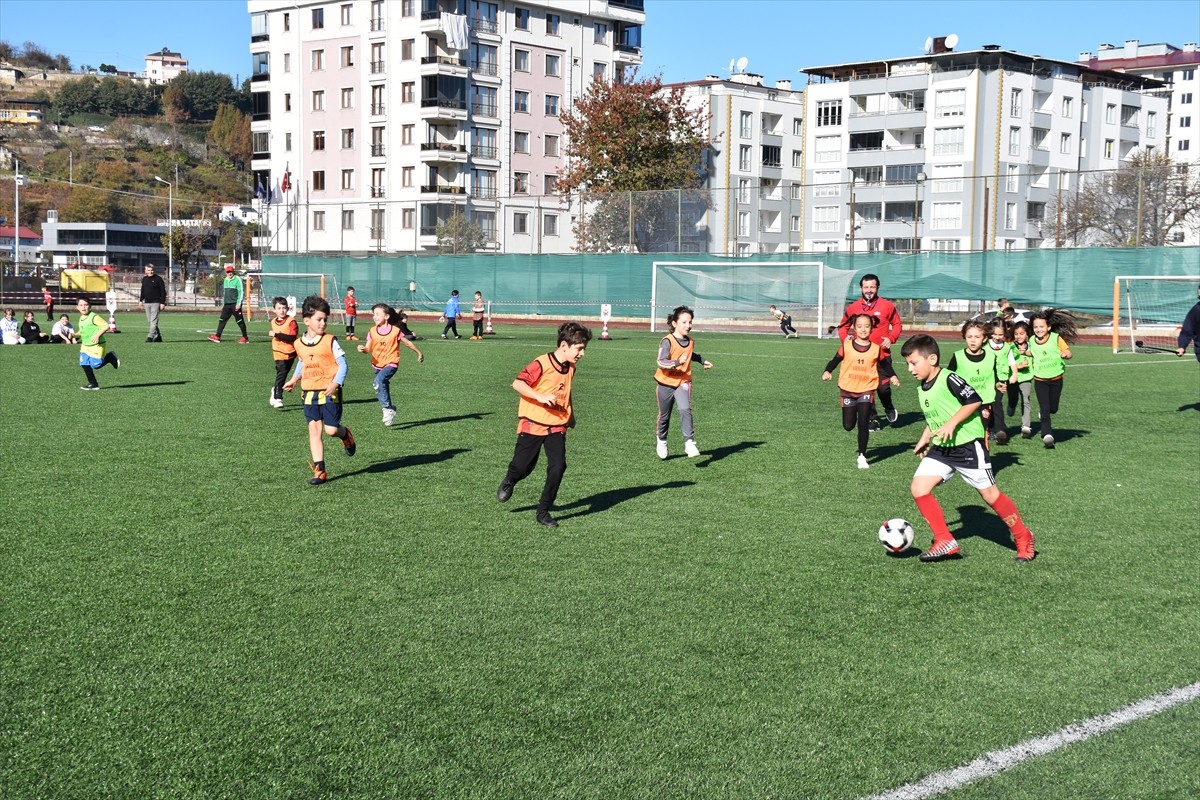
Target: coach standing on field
pixel 885 332
pixel 153 297
pixel 1190 330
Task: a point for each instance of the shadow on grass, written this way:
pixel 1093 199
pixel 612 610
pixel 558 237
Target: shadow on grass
pixel 729 450
pixel 1190 407
pixel 401 462
pixel 1003 459
pixel 1060 434
pixel 439 420
pixel 148 385
pixel 603 501
pixel 886 451
pixel 980 522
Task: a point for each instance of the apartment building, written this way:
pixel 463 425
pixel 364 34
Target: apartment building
pixel 164 66
pixel 755 165
pixel 961 150
pixel 374 121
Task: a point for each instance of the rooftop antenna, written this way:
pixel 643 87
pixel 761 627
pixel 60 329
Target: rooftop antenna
pixel 951 41
pixel 928 44
pixel 732 61
pixel 741 63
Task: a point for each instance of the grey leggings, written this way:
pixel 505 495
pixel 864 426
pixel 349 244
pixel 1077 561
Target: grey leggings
pixel 681 396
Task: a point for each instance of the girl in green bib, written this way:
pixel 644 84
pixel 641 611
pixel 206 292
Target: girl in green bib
pixel 1020 377
pixel 1053 334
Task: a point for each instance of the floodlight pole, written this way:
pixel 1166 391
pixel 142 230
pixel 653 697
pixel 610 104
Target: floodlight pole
pixel 170 236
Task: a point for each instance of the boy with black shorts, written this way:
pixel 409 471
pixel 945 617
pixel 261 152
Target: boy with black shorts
pixel 544 414
pixel 321 372
pixel 953 441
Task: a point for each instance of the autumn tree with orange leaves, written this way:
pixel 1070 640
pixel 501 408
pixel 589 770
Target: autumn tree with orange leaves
pixel 634 154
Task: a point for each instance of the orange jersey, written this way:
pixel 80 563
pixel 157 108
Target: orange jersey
pixel 384 347
pixel 859 370
pixel 546 375
pixel 677 376
pixel 320 365
pixel 281 350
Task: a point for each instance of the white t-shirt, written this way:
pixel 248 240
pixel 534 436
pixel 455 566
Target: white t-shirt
pixel 62 330
pixel 10 330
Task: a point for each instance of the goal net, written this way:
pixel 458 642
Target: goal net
pixel 737 295
pixel 294 287
pixel 1148 311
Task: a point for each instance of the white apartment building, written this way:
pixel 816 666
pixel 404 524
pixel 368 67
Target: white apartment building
pixel 389 116
pixel 960 150
pixel 164 66
pixel 755 163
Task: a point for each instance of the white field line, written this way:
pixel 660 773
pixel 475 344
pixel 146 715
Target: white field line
pixel 998 761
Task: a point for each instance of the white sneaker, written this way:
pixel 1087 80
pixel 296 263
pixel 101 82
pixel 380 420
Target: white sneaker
pixel 277 403
pixel 389 416
pixel 862 462
pixel 660 447
pixel 690 448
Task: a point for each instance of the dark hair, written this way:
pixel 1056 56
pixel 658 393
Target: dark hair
pixel 1022 325
pixel 974 323
pixel 870 276
pixel 573 333
pixel 673 317
pixel 393 316
pixel 349 288
pixel 278 300
pixel 855 317
pixel 312 304
pixel 922 344
pixel 454 293
pixel 1059 321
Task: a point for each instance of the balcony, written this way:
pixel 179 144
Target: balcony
pixel 377 109
pixel 443 188
pixel 376 233
pixel 1039 155
pixel 376 151
pixel 260 76
pixel 489 69
pixel 376 191
pixel 484 25
pixel 377 67
pixel 483 192
pixel 376 24
pixel 484 151
pixel 627 54
pixel 443 109
pixel 443 153
pixel 485 110
pixel 443 65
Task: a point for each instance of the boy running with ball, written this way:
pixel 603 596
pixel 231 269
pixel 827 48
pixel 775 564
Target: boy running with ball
pixel 953 441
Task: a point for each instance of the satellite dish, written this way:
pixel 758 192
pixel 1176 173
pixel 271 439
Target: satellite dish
pixel 741 63
pixel 732 61
pixel 952 41
pixel 928 44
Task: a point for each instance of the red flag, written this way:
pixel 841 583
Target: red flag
pixel 287 179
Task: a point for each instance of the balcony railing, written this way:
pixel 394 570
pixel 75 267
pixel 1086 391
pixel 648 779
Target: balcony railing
pixel 377 23
pixel 484 109
pixel 444 147
pixel 377 108
pixel 485 67
pixel 376 233
pixel 428 15
pixel 484 25
pixel 484 192
pixel 442 188
pixel 443 102
pixel 483 150
pixel 376 191
pixel 447 60
pixel 260 76
pixel 377 67
pixel 376 149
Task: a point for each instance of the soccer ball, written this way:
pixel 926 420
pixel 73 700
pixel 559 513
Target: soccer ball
pixel 896 535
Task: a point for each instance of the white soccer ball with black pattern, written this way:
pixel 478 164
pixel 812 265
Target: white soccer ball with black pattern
pixel 896 535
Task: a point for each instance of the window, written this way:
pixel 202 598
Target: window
pixel 599 71
pixel 1108 148
pixel 377 182
pixel 946 178
pixel 552 22
pixel 797 191
pixel 797 126
pixel 318 18
pixel 551 143
pixel 1014 141
pixel 1012 181
pixel 287 62
pixel 902 174
pixel 521 101
pixel 406 176
pixel 522 17
pixel 406 49
pixel 827 183
pixel 1035 212
pixel 1015 103
pixel 1185 98
pixel 1010 216
pixel 795 223
pixel 318 220
pixel 797 158
pixel 521 60
pixel 348 56
pixel 1129 116
pixel 1183 144
pixel 318 100
pixel 1068 107
pixel 407 218
pixel 406 8
pixel 408 91
pixel 772 155
pixel 1151 124
pixel 946 245
pixel 948 141
pixel 318 60
pixel 551 105
pixel 1185 122
pixel 347 179
pixel 348 97
pixel 550 184
pixel 744 158
pixel 829 113
pixel 550 224
pixel 318 140
pixel 406 134
pixel 318 180
pixel 946 216
pixel 825 219
pixel 347 220
pixel 1189 74
pixel 1110 113
pixel 483 103
pixel 1064 143
pixel 520 183
pixel 827 148
pixel 287 142
pixel 521 222
pixel 867 175
pixel 377 221
pixel 287 21
pixel 951 103
pixel 599 32
pixel 1037 138
pixel 346 14
pixel 287 101
pixel 743 223
pixel 552 65
pixel 746 125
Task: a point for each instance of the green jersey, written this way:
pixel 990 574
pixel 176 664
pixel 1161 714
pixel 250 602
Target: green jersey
pixel 943 397
pixel 1021 355
pixel 1048 362
pixel 90 324
pixel 231 291
pixel 1003 371
pixel 981 371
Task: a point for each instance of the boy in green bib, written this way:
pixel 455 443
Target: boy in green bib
pixel 953 441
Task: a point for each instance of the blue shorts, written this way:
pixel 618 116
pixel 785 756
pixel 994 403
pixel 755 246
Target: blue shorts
pixel 320 408
pixel 90 361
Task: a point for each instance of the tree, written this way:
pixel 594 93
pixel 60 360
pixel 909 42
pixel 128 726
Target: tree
pixel 174 105
pixel 204 92
pixel 230 133
pixel 633 136
pixel 108 69
pixel 236 238
pixel 1145 202
pixel 76 97
pixel 458 235
pixel 87 204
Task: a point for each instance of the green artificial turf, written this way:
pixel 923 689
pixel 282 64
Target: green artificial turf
pixel 183 616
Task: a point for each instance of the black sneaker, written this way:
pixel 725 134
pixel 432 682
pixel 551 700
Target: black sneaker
pixel 892 414
pixel 1001 437
pixel 875 425
pixel 545 520
pixel 505 491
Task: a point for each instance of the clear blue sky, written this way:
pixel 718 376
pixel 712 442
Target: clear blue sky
pixel 683 39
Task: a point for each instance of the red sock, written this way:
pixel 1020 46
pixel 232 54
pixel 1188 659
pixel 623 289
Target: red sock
pixel 1007 510
pixel 931 510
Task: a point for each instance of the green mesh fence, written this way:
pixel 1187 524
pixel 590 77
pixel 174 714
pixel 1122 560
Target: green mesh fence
pixel 562 285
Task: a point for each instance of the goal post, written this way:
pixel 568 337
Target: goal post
pixel 1148 311
pixel 737 294
pixel 298 285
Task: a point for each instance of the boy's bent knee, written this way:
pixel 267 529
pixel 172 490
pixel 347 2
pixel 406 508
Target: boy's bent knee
pixel 331 430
